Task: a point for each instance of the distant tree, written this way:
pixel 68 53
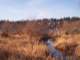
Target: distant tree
pixel 75 18
pixel 67 18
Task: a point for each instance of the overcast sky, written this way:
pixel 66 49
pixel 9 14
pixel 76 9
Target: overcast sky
pixel 32 9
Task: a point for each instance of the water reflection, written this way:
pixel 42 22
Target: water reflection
pixel 53 51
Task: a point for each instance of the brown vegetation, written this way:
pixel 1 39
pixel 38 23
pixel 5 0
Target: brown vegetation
pixel 21 40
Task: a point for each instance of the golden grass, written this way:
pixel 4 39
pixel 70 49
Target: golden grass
pixel 17 49
pixel 23 49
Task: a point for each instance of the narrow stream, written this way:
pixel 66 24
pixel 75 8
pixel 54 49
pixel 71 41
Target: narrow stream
pixel 58 55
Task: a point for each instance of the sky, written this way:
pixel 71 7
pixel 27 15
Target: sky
pixel 38 9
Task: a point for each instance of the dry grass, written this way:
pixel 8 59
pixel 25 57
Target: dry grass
pixel 17 49
pixel 20 40
pixel 29 48
pixel 23 49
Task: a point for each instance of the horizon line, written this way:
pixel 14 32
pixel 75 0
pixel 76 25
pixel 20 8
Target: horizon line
pixel 31 19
